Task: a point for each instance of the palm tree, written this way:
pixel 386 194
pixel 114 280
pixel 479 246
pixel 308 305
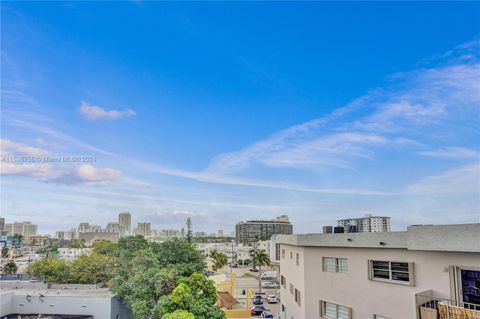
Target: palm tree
pixel 219 259
pixel 260 258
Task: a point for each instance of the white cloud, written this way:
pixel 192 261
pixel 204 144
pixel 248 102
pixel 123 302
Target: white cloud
pixel 8 147
pixel 61 174
pixel 463 180
pixel 453 152
pixel 88 174
pixel 93 112
pixel 36 171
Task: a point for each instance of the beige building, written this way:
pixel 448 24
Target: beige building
pixel 426 272
pixel 25 228
pixel 125 222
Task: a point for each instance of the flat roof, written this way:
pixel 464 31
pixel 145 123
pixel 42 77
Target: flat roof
pixel 451 238
pixel 24 288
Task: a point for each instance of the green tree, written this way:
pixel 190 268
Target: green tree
pixel 51 270
pixel 179 314
pixel 196 295
pixel 10 267
pixel 181 255
pixel 105 247
pixel 91 269
pixel 219 259
pixel 75 243
pixel 260 258
pixel 4 252
pixel 146 271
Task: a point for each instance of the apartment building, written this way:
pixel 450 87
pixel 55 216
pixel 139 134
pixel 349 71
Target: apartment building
pixel 253 230
pixel 125 221
pixel 25 228
pixel 425 272
pixel 366 224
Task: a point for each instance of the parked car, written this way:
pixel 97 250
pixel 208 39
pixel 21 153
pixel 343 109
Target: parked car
pixel 234 265
pixel 267 314
pixel 253 269
pixel 272 299
pixel 270 285
pixel 258 310
pixel 257 300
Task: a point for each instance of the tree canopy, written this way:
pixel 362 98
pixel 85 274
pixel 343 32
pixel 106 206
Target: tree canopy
pixel 10 267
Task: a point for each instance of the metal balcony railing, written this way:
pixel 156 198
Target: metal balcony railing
pixel 431 307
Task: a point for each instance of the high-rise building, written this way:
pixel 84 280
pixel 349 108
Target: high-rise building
pixel 125 220
pixel 8 228
pixel 18 228
pixel 366 224
pixel 29 229
pixel 254 230
pixel 2 224
pixel 113 228
pixel 143 229
pixel 25 228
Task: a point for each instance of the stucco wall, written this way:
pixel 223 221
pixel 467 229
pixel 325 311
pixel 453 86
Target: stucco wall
pixel 355 290
pixel 101 307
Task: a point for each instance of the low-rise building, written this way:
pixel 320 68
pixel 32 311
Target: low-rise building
pixel 22 298
pixel 71 254
pixel 423 272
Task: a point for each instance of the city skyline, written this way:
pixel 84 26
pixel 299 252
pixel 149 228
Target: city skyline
pixel 180 113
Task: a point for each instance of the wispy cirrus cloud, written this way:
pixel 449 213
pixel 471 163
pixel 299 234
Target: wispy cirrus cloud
pixel 422 107
pixel 93 112
pixel 453 152
pixel 460 180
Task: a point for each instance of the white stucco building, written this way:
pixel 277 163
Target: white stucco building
pixel 18 298
pixel 424 272
pixel 366 224
pixel 71 254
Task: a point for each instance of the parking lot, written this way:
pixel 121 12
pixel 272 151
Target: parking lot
pixel 246 280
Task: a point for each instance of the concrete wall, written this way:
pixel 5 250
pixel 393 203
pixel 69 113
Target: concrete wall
pixel 355 290
pixel 101 307
pixel 297 278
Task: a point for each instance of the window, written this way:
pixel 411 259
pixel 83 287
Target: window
pixel 277 251
pixel 297 259
pixel 330 310
pixel 291 255
pixel 283 253
pixel 398 272
pixel 332 264
pixel 380 317
pixel 283 281
pixel 291 288
pixel 297 296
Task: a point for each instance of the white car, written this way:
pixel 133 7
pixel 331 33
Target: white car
pixel 270 284
pixel 272 299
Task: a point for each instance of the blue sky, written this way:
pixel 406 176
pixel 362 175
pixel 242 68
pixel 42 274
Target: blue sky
pixel 232 111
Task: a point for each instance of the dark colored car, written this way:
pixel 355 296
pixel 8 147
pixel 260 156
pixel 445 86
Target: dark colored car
pixel 257 300
pixel 253 269
pixel 258 310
